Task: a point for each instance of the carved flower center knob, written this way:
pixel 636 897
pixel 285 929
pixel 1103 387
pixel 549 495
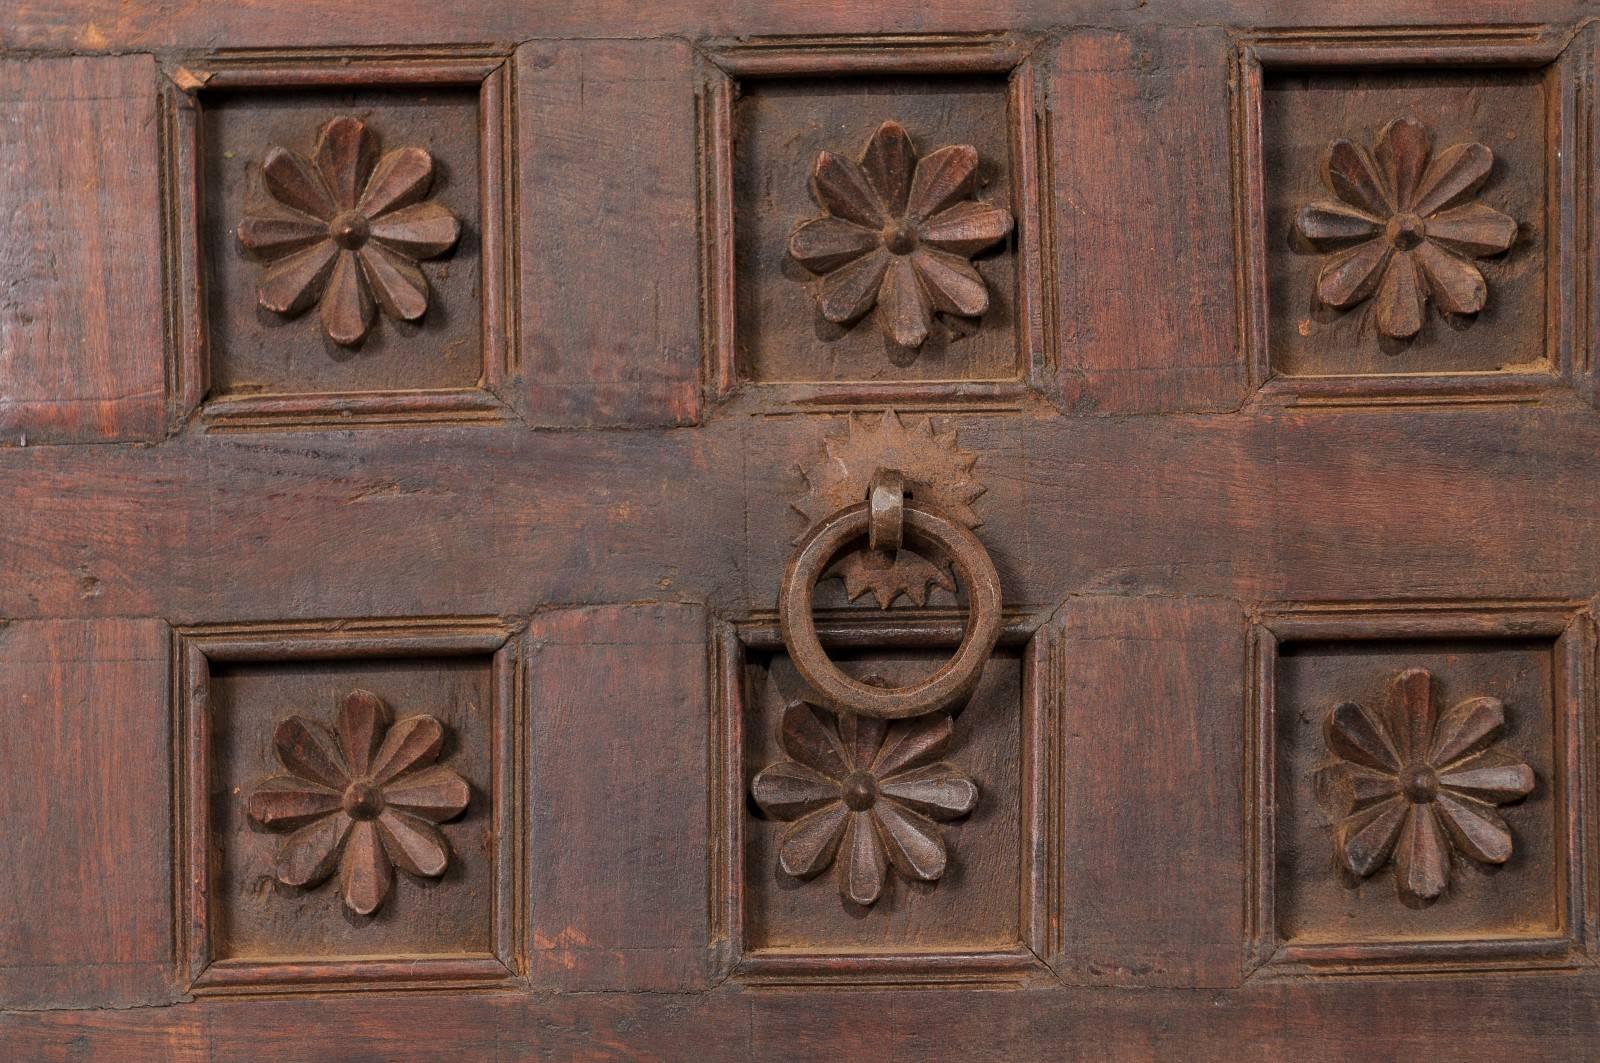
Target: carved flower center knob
pixel 900 237
pixel 1420 783
pixel 860 791
pixel 349 229
pixel 362 800
pixel 1406 231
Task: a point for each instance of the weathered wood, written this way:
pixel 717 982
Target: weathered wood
pixel 81 351
pixel 86 900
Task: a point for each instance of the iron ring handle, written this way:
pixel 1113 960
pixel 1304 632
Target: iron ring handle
pixel 927 529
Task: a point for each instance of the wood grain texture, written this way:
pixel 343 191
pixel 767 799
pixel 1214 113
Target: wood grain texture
pixel 1543 1017
pixel 620 748
pixel 86 901
pixel 1151 749
pixel 98 25
pixel 81 353
pixel 607 200
pixel 1136 339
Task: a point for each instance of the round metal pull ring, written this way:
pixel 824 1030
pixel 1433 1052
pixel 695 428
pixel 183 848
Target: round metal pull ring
pixel 925 528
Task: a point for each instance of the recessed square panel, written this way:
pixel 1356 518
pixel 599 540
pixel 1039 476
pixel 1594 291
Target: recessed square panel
pixel 874 227
pixel 1345 304
pixel 255 350
pixel 346 809
pixel 1407 199
pixel 1416 803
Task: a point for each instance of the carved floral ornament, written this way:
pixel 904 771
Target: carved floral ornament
pixel 897 235
pixel 1405 228
pixel 363 801
pixel 1412 790
pixel 863 794
pixel 345 229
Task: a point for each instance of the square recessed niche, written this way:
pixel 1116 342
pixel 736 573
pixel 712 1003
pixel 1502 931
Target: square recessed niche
pixel 983 919
pixel 256 367
pixel 1512 95
pixel 246 929
pixel 773 109
pixel 1311 911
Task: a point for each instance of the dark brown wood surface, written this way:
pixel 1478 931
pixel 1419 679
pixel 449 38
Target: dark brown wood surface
pixel 553 513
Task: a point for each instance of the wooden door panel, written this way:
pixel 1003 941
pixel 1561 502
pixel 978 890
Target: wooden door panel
pixel 451 390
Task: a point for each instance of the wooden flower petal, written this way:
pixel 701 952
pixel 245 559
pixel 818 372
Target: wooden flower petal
pixel 1400 298
pixel 889 161
pixel 1353 275
pixel 1328 225
pixel 851 290
pixel 422 230
pixel 810 736
pixel 862 866
pixel 842 190
pixel 809 844
pixel 966 228
pixel 1366 839
pixel 411 743
pixel 1354 734
pixel 363 718
pixel 364 871
pixel 286 801
pixel 942 178
pixel 1496 783
pixel 1457 172
pixel 291 284
pixel 788 790
pixel 951 284
pixel 911 841
pixel 1473 229
pixel 1476 829
pixel 413 844
pixel 1453 283
pixel 1402 152
pixel 396 282
pixel 1465 729
pixel 1349 173
pixel 401 177
pixel 346 307
pixel 344 156
pixel 272 236
pixel 307 750
pixel 310 854
pixel 826 243
pixel 1422 856
pixel 939 791
pixel 862 737
pixel 294 182
pixel 902 307
pixel 435 794
pixel 913 742
pixel 1411 713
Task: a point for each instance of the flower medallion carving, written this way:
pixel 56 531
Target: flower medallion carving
pixel 1412 790
pixel 362 800
pixel 345 229
pixel 1404 228
pixel 897 235
pixel 863 794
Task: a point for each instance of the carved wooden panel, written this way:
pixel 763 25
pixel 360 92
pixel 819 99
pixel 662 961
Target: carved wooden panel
pixel 865 849
pixel 1406 214
pixel 875 231
pixel 347 239
pixel 346 803
pixel 1419 773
